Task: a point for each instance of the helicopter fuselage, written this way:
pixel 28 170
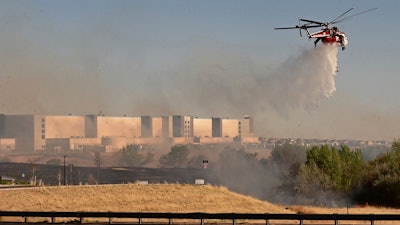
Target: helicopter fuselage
pixel 330 36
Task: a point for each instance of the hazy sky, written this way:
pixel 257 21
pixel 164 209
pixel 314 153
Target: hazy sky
pixel 203 58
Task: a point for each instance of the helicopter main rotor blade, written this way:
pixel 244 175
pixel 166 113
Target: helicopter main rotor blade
pixel 312 21
pixel 286 28
pixel 346 18
pixel 297 27
pixel 312 26
pixel 332 21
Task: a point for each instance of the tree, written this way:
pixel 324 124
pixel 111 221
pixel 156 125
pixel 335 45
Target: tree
pixel 176 157
pixel 33 177
pixel 337 170
pixel 97 162
pixel 131 156
pixel 381 179
pixel 54 162
pixel 59 177
pixel 312 180
pixel 288 153
pixel 284 166
pixel 352 164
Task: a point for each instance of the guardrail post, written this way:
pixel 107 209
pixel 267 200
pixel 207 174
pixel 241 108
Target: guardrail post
pixel 56 217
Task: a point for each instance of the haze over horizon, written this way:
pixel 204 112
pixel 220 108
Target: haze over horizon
pixel 202 58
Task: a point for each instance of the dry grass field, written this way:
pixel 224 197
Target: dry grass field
pixel 157 198
pixel 134 198
pixel 154 198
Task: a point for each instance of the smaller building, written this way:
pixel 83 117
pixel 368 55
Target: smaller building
pixel 7 144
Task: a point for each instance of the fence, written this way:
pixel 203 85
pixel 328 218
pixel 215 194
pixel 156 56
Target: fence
pixel 201 217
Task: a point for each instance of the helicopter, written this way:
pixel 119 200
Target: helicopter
pixel 328 34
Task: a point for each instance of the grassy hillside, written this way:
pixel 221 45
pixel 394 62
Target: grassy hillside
pixel 134 198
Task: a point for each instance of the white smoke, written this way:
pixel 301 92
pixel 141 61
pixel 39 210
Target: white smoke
pixel 214 82
pixel 304 80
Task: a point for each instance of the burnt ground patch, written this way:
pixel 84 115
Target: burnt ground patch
pixel 54 174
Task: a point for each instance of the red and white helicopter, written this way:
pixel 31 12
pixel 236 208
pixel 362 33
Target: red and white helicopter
pixel 329 34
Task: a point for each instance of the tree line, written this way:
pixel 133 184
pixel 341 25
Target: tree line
pixel 325 174
pixel 295 174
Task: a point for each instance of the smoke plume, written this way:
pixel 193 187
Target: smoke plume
pixel 305 80
pixel 218 82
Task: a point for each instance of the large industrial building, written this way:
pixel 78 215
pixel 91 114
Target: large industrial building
pixel 33 133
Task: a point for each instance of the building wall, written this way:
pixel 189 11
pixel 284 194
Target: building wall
pixel 182 140
pixel 188 126
pixel 64 133
pixel 230 128
pixel 177 126
pixel 58 144
pixel 118 127
pixel 64 126
pixel 202 127
pixel 7 144
pixel 157 128
pixel 182 126
pixel 146 126
pixel 253 140
pixel 114 143
pixel 246 127
pixel 91 126
pixel 84 144
pixel 167 124
pixel 2 123
pixel 216 127
pixel 20 128
pixel 39 136
pixel 215 140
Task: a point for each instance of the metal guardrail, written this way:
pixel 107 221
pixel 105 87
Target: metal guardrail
pixel 203 216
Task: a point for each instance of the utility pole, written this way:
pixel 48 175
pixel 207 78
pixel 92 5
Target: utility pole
pixel 97 161
pixel 65 182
